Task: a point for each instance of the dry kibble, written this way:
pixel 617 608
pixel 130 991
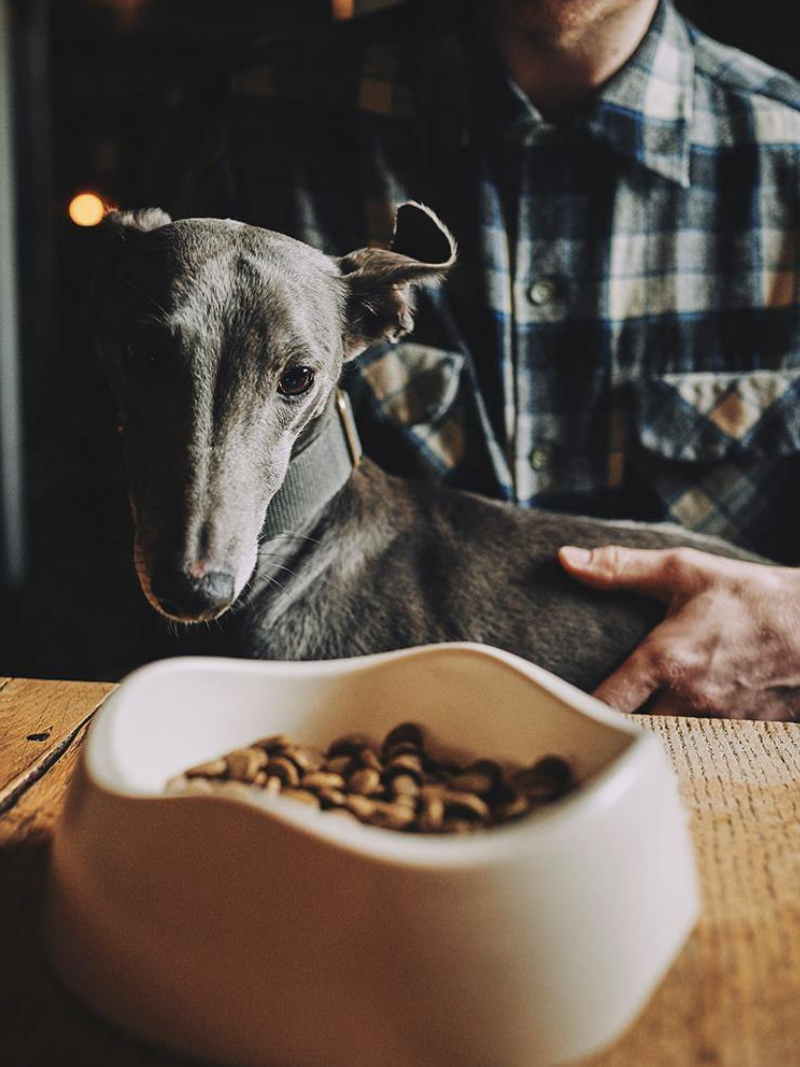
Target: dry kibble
pixel 245 763
pixel 431 818
pixel 466 804
pixel 339 765
pixel 480 777
pixel 366 781
pixel 283 768
pixel 348 745
pixel 408 764
pixel 305 759
pixel 215 768
pixel 394 786
pixel 547 779
pixel 405 732
pixel 331 798
pixel 274 743
pixel 391 816
pixel 362 807
pixel 321 780
pixel 405 785
pixel 368 757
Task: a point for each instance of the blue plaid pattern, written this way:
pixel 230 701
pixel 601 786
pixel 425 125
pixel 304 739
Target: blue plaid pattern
pixel 621 336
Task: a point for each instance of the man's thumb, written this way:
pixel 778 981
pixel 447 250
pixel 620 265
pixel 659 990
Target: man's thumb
pixel 653 572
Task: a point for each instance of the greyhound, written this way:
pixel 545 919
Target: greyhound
pixel 223 344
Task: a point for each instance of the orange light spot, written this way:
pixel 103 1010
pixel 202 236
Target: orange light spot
pixel 86 209
pixel 342 9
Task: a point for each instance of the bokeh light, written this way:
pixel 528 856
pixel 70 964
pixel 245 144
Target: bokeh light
pixel 86 209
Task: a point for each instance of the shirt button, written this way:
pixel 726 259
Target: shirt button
pixel 543 291
pixel 541 458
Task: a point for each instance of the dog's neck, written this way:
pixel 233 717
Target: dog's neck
pixel 323 458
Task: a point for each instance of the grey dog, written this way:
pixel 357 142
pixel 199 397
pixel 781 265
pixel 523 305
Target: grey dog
pixel 224 344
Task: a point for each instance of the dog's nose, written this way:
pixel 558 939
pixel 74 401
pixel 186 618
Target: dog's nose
pixel 189 598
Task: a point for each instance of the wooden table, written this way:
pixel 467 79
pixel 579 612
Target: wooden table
pixel 731 1000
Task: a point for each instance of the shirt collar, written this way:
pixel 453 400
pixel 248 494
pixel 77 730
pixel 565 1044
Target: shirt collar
pixel 644 111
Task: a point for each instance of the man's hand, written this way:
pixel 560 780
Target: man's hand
pixel 729 645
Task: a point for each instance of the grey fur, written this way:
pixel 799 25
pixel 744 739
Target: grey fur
pixel 197 320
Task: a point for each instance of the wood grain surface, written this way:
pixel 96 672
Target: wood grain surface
pixel 37 722
pixel 731 998
pixel 729 1001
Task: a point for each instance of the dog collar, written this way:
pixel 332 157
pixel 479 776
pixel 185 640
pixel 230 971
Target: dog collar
pixel 317 470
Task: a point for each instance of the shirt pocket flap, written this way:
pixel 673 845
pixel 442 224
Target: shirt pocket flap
pixel 413 384
pixel 703 417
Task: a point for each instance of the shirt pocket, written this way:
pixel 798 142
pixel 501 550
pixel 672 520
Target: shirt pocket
pixel 718 453
pixel 416 388
pixel 706 417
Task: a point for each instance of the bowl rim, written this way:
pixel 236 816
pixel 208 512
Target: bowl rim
pixel 602 791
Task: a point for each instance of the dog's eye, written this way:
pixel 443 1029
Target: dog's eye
pixel 296 381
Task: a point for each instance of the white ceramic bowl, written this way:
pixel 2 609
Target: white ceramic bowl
pixel 288 938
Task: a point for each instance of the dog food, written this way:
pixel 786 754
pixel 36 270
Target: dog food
pixel 396 785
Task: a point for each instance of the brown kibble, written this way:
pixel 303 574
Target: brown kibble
pixel 200 785
pixel 348 745
pixel 362 807
pixel 467 804
pixel 321 780
pixel 215 768
pixel 368 757
pixel 245 763
pixel 339 765
pixel 365 781
pixel 391 816
pixel 283 768
pixel 405 785
pixel 547 779
pixel 408 764
pixel 306 759
pixel 480 777
pixel 459 826
pixel 511 809
pixel 342 811
pixel 431 817
pixel 302 795
pixel 402 789
pixel 402 748
pixel 273 743
pixel 331 798
pixel 406 732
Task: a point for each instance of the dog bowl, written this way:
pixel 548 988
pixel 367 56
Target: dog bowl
pixel 282 937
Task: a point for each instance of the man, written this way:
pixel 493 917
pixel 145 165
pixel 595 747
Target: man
pixel 621 335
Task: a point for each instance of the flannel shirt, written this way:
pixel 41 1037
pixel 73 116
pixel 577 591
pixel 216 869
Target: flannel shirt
pixel 620 336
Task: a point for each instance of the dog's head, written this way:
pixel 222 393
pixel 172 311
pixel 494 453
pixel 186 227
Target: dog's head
pixel 222 342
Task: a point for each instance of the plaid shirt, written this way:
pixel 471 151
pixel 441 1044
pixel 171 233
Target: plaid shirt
pixel 621 336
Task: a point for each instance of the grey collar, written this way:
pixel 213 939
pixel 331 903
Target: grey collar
pixel 318 469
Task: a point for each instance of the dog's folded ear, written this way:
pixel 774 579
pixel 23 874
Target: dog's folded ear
pixel 142 220
pixel 115 232
pixel 380 301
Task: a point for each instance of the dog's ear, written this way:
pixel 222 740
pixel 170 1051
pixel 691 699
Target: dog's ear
pixel 142 220
pixel 114 232
pixel 380 302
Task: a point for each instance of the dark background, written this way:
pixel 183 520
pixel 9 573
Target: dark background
pixel 92 81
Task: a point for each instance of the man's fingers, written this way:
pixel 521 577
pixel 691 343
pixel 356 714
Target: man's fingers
pixel 658 573
pixel 630 685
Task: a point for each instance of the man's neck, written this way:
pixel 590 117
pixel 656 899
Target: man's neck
pixel 559 67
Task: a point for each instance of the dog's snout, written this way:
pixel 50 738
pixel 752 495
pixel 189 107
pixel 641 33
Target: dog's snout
pixel 192 599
